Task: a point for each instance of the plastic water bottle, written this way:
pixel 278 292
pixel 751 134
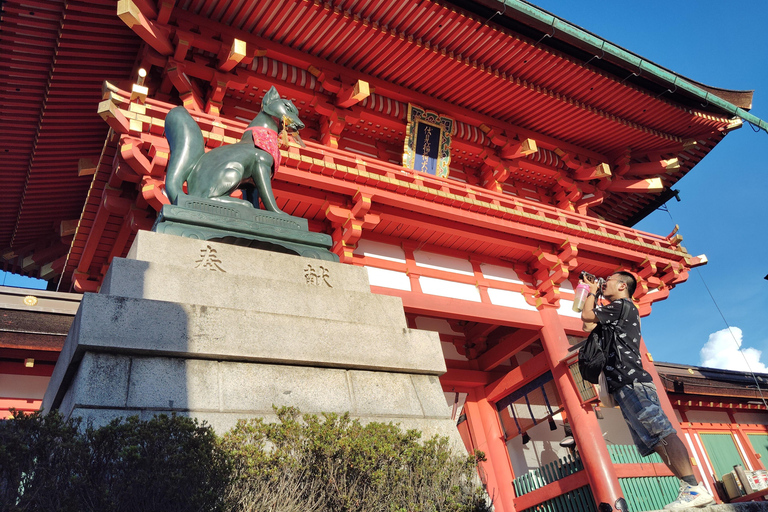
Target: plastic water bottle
pixel 580 297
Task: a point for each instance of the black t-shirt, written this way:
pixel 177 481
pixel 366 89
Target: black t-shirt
pixel 626 367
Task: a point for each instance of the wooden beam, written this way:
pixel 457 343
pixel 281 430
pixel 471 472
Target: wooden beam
pixel 518 148
pixel 164 12
pixel 455 377
pixel 114 118
pixel 598 172
pixel 354 94
pixel 237 52
pixel 155 36
pixel 656 167
pixel 304 60
pixel 68 227
pixel 517 377
pixel 637 186
pixel 86 167
pixel 565 485
pixel 508 346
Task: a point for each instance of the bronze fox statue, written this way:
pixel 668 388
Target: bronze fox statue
pixel 249 163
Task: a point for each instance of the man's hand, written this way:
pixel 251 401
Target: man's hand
pixel 590 281
pixel 587 315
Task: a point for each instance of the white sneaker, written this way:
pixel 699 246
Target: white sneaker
pixel 691 496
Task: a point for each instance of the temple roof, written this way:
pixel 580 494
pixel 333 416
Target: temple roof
pixel 498 75
pixel 698 383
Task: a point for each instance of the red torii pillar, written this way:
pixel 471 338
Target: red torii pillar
pixel 488 437
pixel 586 431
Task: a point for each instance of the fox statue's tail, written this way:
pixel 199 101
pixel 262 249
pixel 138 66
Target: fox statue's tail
pixel 185 141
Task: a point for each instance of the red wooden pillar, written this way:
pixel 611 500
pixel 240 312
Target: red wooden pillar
pixel 489 438
pixel 586 431
pixel 666 405
pixel 699 472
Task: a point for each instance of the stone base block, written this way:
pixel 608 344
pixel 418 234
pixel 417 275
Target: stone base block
pixel 221 392
pixel 275 294
pixel 222 422
pixel 175 384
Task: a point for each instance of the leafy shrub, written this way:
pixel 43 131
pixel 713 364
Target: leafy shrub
pixel 300 463
pixel 42 459
pixel 304 463
pixel 164 464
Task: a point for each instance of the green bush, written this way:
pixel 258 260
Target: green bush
pixel 299 463
pixel 305 463
pixel 164 464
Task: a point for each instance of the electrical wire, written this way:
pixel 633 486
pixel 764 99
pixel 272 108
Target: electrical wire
pixel 725 321
pixel 738 346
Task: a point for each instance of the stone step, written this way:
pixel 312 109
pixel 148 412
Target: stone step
pixel 227 259
pixel 293 295
pixel 106 323
pixel 754 506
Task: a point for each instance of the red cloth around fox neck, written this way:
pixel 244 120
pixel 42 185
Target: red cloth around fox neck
pixel 266 139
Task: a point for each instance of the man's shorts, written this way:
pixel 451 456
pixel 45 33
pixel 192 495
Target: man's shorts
pixel 639 404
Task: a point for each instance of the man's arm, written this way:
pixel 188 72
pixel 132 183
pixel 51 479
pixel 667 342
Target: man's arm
pixel 587 314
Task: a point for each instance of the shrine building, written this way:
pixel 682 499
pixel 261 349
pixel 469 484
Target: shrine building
pixel 474 157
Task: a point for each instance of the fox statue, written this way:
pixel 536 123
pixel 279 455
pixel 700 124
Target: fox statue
pixel 249 163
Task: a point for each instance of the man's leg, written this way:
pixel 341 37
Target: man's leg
pixel 675 455
pixel 650 427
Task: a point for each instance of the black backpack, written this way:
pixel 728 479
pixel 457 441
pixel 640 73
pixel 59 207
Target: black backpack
pixel 593 354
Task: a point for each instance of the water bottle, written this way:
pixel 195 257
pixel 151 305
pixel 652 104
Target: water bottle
pixel 580 297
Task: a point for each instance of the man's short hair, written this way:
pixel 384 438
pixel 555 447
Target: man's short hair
pixel 629 280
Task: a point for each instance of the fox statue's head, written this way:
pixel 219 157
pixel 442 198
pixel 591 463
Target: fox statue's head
pixel 283 110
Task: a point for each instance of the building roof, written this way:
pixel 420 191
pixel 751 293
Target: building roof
pixel 684 383
pixel 558 33
pixel 445 57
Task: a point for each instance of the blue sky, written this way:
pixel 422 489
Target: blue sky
pixel 723 209
pixel 722 213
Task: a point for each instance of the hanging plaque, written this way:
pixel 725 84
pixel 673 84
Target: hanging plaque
pixel 428 142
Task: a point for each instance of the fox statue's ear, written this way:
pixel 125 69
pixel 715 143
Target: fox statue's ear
pixel 270 96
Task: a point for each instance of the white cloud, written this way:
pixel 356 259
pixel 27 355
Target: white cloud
pixel 722 351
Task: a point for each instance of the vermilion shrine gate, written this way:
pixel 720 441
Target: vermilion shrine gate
pixel 474 166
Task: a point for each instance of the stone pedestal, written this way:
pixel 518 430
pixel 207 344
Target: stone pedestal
pixel 222 332
pixel 239 224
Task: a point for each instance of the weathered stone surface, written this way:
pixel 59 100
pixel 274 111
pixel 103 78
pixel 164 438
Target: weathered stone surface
pixel 252 331
pixel 223 421
pixel 251 387
pixel 194 254
pixel 137 326
pixel 102 380
pixel 185 384
pixel 173 383
pixel 735 507
pixel 140 279
pixel 372 389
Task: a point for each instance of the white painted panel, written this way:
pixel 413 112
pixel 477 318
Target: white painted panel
pixel 499 273
pixel 381 251
pixel 707 416
pixel 753 418
pixel 566 286
pixel 23 386
pixel 388 279
pixel 443 288
pixel 442 262
pixel 566 309
pixel 743 453
pixel 509 299
pixel 450 352
pixel 426 323
pixel 455 402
